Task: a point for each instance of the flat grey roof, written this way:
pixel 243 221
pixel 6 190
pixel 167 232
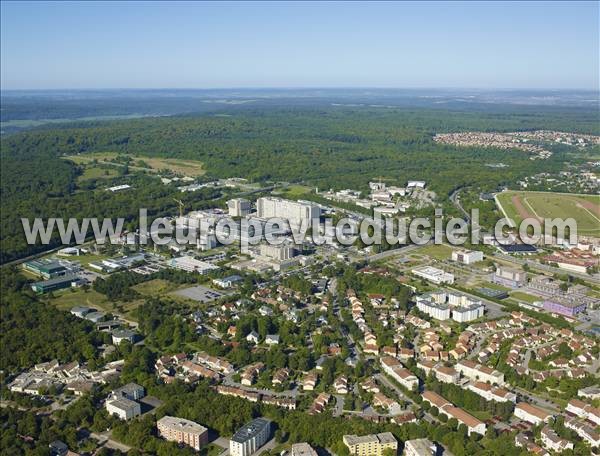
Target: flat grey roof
pixel 250 430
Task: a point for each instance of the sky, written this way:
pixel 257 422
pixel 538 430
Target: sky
pixel 487 45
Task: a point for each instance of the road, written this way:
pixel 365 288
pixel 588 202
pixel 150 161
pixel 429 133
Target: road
pixel 388 253
pixel 339 405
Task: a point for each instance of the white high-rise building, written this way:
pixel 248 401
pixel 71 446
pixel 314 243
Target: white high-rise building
pixel 293 211
pixel 248 439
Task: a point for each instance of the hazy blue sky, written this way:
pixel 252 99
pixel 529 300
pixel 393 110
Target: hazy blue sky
pixel 206 45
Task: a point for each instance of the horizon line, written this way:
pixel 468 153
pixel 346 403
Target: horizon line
pixel 341 87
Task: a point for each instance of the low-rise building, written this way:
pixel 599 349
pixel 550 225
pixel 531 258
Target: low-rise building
pixel 420 447
pixel 532 414
pixel 467 256
pixel 370 445
pixel 553 442
pixel 303 449
pixel 474 371
pixel 183 431
pixel 434 275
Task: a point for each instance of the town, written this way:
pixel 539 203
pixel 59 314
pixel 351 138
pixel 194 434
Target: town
pixel 499 342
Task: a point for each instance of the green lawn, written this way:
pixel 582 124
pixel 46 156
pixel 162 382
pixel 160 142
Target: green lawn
pixel 156 287
pixel 439 252
pixel 525 297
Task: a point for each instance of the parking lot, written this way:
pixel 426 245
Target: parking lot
pixel 200 293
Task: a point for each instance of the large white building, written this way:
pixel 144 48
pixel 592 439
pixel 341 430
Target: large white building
pixel 467 256
pixel 435 275
pixel 183 431
pixel 293 211
pixel 190 264
pixel 122 407
pixel 248 439
pixel 123 403
pixel 443 305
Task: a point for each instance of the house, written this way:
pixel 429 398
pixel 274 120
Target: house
pixel 446 408
pixel 280 376
pixel 474 371
pixel 446 374
pixel 370 386
pixel 309 381
pixel 58 448
pixel 532 414
pixel 490 393
pixel 272 339
pixel 341 385
pixel 583 430
pixel 552 441
pixel 394 369
pixel 252 337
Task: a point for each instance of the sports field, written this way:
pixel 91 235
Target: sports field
pixel 585 209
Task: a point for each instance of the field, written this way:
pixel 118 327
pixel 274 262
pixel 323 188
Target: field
pixel 66 299
pixel 436 251
pixel 585 209
pixel 191 168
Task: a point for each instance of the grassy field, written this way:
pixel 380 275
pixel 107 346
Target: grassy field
pixel 295 191
pixel 189 168
pixel 95 172
pixel 585 209
pixel 66 299
pixel 437 251
pixel 525 297
pixel 157 287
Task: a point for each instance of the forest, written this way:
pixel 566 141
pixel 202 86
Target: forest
pixel 337 147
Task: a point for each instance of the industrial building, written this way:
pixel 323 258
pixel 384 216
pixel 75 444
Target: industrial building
pixel 435 275
pixel 190 264
pixel 57 283
pixel 46 269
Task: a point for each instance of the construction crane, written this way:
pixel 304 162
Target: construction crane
pixel 181 206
